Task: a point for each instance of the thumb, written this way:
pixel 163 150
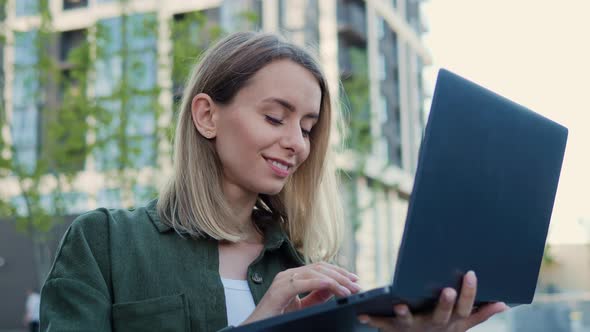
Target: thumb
pixel 316 297
pixel 294 305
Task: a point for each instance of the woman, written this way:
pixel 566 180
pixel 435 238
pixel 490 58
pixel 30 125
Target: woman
pixel 248 220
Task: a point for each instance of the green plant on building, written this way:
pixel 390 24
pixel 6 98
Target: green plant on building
pixel 358 137
pixel 126 95
pixel 191 33
pixel 117 125
pixel 355 104
pixel 355 94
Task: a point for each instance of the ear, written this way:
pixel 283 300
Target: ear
pixel 204 115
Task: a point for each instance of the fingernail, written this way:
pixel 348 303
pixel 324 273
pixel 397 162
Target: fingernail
pixel 401 310
pixel 470 279
pixel 354 277
pixel 449 295
pixel 363 319
pixel 356 287
pixel 345 290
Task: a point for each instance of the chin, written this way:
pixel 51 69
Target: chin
pixel 271 188
pixel 271 191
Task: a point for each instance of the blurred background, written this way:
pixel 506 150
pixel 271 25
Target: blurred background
pixel 91 87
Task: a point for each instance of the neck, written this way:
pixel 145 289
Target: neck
pixel 242 205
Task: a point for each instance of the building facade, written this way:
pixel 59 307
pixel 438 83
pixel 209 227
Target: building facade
pixel 370 50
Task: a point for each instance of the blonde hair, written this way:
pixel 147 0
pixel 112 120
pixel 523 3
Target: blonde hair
pixel 192 202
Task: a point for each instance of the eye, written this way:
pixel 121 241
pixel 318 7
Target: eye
pixel 273 121
pixel 305 133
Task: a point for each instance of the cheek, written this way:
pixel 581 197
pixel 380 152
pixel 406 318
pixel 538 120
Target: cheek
pixel 238 139
pixel 307 152
pixel 304 155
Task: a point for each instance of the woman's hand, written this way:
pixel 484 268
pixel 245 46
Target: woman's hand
pixel 448 316
pixel 320 280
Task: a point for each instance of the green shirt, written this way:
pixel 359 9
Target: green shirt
pixel 125 270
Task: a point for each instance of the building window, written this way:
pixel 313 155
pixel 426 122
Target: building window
pixel 69 41
pixel 413 15
pixel 72 4
pixel 396 150
pixel 421 96
pixel 20 204
pixel 382 71
pixel 3 11
pixel 352 21
pixel 109 198
pixel 25 114
pixel 126 75
pixel 143 194
pixel 27 7
pixel 107 153
pixel 382 109
pixel 140 130
pixel 390 91
pixel 382 145
pixel 299 20
pixel 65 203
pixel 354 72
pixel 240 15
pixel 75 202
pixel 2 82
pixel 47 203
pixel 70 101
pixel 380 22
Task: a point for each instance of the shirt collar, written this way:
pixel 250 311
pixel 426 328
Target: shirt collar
pixel 275 236
pixel 152 211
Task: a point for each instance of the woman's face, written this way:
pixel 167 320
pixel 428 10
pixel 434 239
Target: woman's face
pixel 262 136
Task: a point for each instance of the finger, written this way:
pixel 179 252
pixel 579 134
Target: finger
pixel 403 315
pixel 332 272
pixel 351 276
pixel 316 297
pixel 294 305
pixel 467 297
pixel 382 323
pixel 485 312
pixel 444 309
pixel 341 290
pixel 319 283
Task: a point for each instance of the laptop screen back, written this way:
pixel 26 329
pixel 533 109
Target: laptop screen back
pixel 482 198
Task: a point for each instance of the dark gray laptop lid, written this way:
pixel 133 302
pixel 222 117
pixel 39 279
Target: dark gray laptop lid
pixel 483 195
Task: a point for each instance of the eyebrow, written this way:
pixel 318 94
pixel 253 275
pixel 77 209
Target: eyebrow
pixel 288 106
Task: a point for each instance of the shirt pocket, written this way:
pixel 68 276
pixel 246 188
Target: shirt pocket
pixel 166 313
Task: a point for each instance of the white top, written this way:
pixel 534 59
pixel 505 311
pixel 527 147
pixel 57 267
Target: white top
pixel 33 301
pixel 239 302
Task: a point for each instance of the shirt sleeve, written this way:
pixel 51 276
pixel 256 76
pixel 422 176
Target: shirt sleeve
pixel 76 295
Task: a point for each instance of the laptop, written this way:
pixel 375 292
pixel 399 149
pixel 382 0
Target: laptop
pixel 483 194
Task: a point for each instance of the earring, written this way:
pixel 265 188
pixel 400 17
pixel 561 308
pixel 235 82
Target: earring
pixel 208 134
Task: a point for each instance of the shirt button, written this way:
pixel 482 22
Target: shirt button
pixel 257 278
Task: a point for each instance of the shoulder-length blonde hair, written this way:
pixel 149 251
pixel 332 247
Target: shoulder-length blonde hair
pixel 192 202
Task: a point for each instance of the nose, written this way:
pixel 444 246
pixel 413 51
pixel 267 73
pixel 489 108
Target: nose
pixel 292 139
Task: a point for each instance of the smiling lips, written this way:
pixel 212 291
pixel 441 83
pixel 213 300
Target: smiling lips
pixel 279 167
